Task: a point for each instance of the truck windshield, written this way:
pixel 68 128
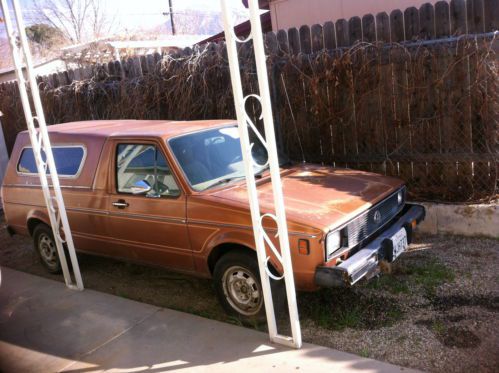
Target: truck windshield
pixel 213 157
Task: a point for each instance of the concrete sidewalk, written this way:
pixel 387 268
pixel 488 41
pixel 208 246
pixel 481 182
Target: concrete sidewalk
pixel 44 327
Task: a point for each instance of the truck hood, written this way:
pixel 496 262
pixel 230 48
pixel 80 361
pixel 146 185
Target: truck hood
pixel 317 196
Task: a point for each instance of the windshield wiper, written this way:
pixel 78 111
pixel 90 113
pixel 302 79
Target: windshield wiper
pixel 224 181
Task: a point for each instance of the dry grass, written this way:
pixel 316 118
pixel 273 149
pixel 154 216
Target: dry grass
pixel 437 311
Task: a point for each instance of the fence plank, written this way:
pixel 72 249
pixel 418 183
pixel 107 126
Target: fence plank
pixel 317 38
pixel 386 105
pixel 328 110
pixel 151 64
pixel 368 28
pixel 329 35
pixel 458 17
pixel 355 28
pixel 305 39
pixel 111 69
pixel 294 40
pixel 118 69
pixel 318 88
pixel 491 11
pixel 342 33
pixel 427 21
pixel 54 80
pixel 368 113
pixel 350 121
pixel 383 27
pixel 411 23
pixel 270 41
pixel 474 12
pixel 282 40
pixel 143 64
pixel 291 132
pixel 397 26
pixel 137 70
pixel 339 89
pixel 401 106
pixel 89 72
pixel 77 74
pixel 442 19
pixel 461 115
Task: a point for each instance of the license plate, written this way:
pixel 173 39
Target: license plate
pixel 399 241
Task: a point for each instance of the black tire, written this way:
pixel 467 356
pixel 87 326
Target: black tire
pixel 244 266
pixel 44 244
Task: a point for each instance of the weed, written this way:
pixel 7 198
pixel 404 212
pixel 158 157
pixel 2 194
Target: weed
pixel 337 309
pixel 389 283
pixel 429 275
pixel 438 327
pixel 364 352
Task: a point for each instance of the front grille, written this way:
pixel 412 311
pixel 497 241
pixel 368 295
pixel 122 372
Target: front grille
pixel 373 219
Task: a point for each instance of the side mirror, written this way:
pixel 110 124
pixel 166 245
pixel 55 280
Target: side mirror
pixel 141 187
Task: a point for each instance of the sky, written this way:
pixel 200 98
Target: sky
pixel 133 14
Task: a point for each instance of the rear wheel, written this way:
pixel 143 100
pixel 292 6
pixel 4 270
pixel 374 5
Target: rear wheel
pixel 239 289
pixel 46 248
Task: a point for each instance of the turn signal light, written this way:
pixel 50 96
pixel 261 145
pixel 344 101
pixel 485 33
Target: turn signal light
pixel 303 247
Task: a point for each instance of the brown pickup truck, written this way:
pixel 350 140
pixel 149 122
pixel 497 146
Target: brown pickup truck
pixel 173 194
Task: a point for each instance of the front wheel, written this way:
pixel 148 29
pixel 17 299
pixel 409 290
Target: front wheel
pixel 46 248
pixel 239 290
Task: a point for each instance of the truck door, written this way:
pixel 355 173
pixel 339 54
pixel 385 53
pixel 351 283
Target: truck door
pixel 147 208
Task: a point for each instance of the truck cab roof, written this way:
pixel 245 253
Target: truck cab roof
pixel 120 127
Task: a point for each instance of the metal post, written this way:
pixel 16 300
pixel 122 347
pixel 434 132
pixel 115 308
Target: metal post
pixel 244 121
pixel 40 142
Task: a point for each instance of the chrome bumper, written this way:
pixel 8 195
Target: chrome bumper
pixel 365 263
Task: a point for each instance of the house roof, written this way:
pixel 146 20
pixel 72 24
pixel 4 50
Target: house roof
pixel 180 41
pixel 11 69
pixel 243 29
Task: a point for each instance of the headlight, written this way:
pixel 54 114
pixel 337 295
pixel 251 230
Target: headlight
pixel 333 243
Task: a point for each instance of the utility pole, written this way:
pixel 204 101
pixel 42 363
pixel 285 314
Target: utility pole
pixel 170 13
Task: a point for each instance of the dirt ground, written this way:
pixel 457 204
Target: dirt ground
pixel 437 311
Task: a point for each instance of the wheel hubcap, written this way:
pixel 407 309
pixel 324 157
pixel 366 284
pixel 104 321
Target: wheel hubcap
pixel 242 290
pixel 48 250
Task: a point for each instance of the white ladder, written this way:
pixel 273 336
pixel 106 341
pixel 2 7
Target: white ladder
pixel 40 143
pixel 244 124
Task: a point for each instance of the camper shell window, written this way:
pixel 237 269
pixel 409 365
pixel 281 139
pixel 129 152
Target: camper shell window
pixel 68 160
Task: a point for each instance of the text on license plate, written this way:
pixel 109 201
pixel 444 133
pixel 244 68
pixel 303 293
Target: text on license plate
pixel 399 241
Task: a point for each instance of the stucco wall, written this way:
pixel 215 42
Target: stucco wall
pixel 294 13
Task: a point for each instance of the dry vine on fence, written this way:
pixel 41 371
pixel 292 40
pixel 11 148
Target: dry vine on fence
pixel 426 112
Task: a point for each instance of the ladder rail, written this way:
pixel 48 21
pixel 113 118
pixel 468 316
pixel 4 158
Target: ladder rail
pixel 40 142
pixel 244 125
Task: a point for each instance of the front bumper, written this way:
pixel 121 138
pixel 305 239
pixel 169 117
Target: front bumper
pixel 366 262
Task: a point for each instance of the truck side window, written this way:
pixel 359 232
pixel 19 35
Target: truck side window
pixel 68 160
pixel 136 162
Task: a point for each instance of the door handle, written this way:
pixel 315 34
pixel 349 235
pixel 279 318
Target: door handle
pixel 121 204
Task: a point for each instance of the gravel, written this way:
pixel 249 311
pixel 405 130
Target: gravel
pixel 437 311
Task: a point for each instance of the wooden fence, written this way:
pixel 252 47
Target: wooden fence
pixel 412 94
